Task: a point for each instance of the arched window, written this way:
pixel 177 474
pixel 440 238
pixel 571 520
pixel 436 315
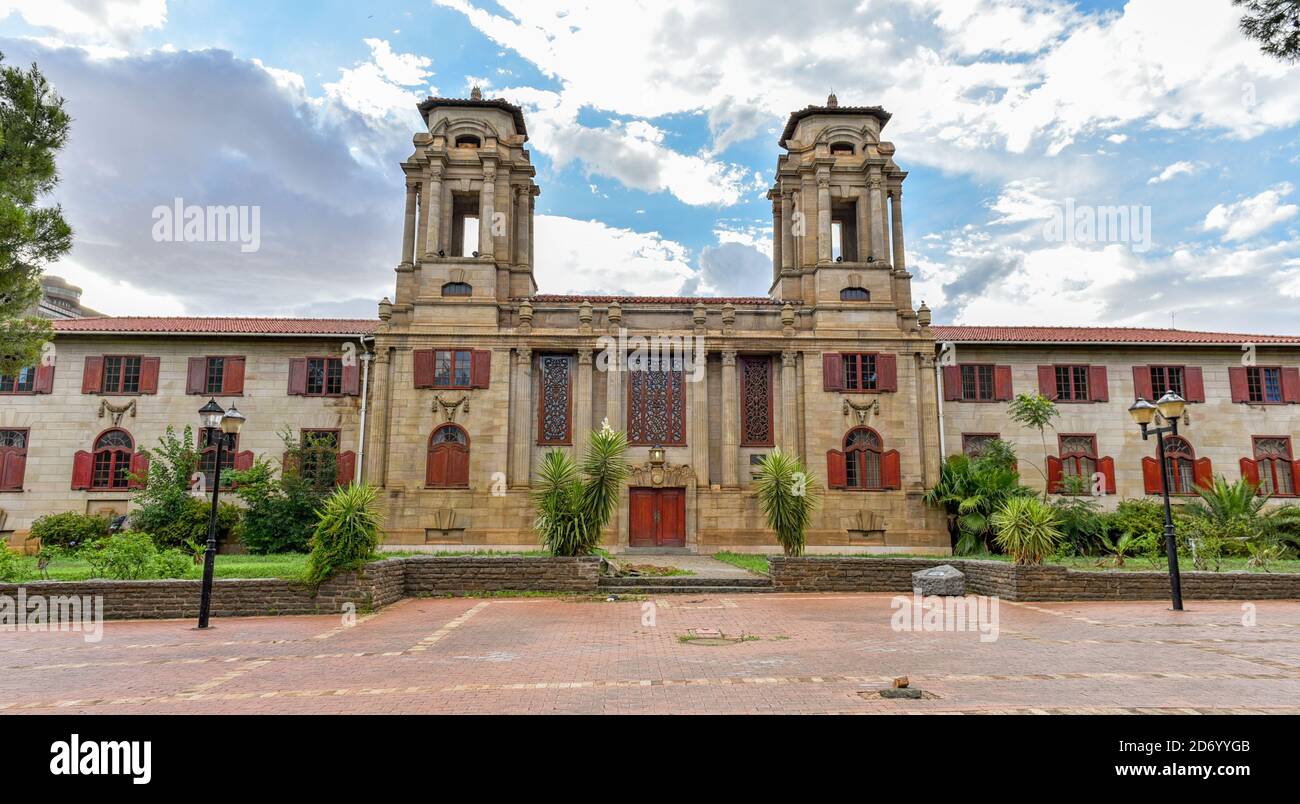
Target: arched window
pixel 113 452
pixel 1276 471
pixel 468 141
pixel 457 289
pixel 855 294
pixel 448 463
pixel 1180 464
pixel 1079 456
pixel 842 149
pixel 862 450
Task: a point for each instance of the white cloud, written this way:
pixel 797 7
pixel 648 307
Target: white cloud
pixel 380 88
pixel 92 20
pixel 1250 216
pixel 1180 168
pixel 576 256
pixel 1022 201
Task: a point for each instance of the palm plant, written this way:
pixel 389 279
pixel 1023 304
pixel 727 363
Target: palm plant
pixel 1119 547
pixel 1027 529
pixel 1036 411
pixel 574 504
pixel 347 532
pixel 788 496
pixel 971 489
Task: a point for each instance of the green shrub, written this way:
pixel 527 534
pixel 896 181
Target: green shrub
pixel 10 564
pixel 573 506
pixel 1083 526
pixel 281 510
pixel 1027 529
pixel 788 497
pixel 971 489
pixel 1144 522
pixel 125 556
pixel 69 530
pixel 172 563
pixel 347 532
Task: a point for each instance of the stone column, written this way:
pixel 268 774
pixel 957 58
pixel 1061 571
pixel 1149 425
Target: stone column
pixel 501 236
pixel 730 421
pixel 864 224
pixel 823 217
pixel 878 242
pixel 789 404
pixel 522 228
pixel 408 229
pixel 927 425
pixel 486 210
pixel 532 196
pixel 896 209
pixel 521 457
pixel 614 391
pixel 446 235
pixel 582 404
pixel 377 423
pixel 699 418
pixel 788 256
pixel 777 225
pixel 422 222
pixel 433 220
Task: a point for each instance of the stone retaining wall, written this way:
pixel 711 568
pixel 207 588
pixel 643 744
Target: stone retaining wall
pixel 1045 583
pixel 378 584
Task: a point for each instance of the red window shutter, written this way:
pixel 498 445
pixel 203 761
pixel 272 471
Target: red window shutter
pixel 11 473
pixel 423 368
pixel 92 379
pixel 1097 388
pixel 836 474
pixel 1250 472
pixel 149 375
pixel 1151 475
pixel 232 379
pixel 1142 383
pixel 1295 476
pixel 351 385
pixel 457 465
pixel 44 379
pixel 1106 466
pixel 244 460
pixel 346 468
pixel 297 376
pixel 1193 384
pixel 952 383
pixel 891 471
pixel 480 368
pixel 196 375
pixel 1053 474
pixel 886 373
pixel 1001 383
pixel 1237 384
pixel 83 466
pixel 1203 473
pixel 1047 381
pixel 139 468
pixel 832 371
pixel 1291 385
pixel 435 470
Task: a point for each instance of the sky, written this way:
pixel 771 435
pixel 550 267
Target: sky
pixel 654 128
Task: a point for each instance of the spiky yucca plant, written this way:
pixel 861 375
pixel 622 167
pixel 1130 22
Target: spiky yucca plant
pixel 575 504
pixel 788 495
pixel 347 532
pixel 1027 529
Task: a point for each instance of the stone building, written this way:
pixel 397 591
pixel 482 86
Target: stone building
pixel 449 399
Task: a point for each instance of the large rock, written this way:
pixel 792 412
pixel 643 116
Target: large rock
pixel 943 580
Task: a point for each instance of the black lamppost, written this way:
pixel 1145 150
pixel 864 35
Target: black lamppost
pixel 1170 407
pixel 221 426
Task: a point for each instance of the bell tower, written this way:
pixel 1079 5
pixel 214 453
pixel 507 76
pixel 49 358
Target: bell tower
pixel 837 211
pixel 467 239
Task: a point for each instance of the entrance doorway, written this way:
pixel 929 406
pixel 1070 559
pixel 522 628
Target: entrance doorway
pixel 658 517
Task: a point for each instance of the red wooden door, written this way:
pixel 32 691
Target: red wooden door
pixel 657 517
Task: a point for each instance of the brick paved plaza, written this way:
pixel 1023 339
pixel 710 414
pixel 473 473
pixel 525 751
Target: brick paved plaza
pixel 806 654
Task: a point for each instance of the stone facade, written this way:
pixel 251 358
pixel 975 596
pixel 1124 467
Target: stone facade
pixel 468 376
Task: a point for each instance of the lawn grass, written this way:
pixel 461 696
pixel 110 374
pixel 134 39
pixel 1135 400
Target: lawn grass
pixel 289 566
pixel 754 562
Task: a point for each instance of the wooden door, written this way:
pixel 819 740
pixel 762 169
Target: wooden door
pixel 657 517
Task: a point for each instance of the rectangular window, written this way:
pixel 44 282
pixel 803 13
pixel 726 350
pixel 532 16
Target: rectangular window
pixel 974 444
pixel 555 400
pixel 320 456
pixel 13 459
pixel 1072 383
pixel 324 376
pixel 208 457
pixel 656 409
pixel 22 383
pixel 1264 384
pixel 1165 379
pixel 452 368
pixel 977 383
pixel 860 372
pixel 215 375
pixel 756 402
pixel 121 375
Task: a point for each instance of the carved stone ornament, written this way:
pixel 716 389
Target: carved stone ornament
pixel 450 406
pixel 648 474
pixel 861 410
pixel 116 411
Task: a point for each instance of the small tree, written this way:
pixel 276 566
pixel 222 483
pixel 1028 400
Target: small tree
pixel 347 532
pixel 280 508
pixel 165 507
pixel 1036 411
pixel 971 489
pixel 1275 24
pixel 1027 529
pixel 788 496
pixel 574 505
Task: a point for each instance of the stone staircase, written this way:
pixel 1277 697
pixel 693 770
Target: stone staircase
pixel 682 584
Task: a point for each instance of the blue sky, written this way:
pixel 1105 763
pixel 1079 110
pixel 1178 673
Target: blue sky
pixel 653 127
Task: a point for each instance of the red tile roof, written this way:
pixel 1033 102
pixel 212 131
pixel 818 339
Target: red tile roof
pixel 1088 335
pixel 691 300
pixel 183 325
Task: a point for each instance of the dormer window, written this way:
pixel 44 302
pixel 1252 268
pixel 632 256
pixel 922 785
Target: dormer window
pixel 842 149
pixel 855 294
pixel 468 141
pixel 457 289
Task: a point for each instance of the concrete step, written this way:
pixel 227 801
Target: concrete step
pixel 684 590
pixel 687 582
